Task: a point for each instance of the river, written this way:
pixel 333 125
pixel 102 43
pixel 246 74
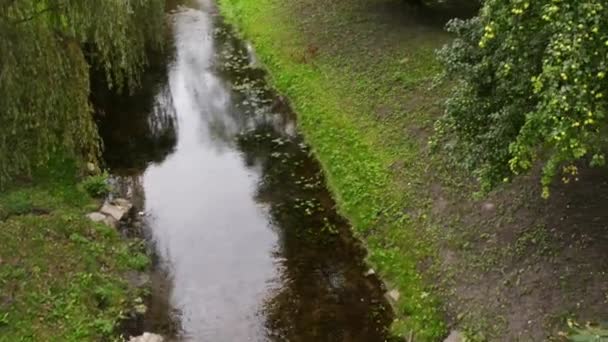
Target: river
pixel 248 245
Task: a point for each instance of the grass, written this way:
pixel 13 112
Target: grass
pixel 60 274
pixel 351 109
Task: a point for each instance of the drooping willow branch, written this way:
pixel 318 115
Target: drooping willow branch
pixel 38 14
pixel 44 73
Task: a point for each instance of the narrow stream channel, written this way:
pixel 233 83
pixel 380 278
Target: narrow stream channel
pixel 248 242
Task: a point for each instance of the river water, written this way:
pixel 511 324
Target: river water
pixel 248 244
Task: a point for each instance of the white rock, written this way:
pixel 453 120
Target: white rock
pixel 96 217
pixel 116 211
pixel 103 218
pixel 393 295
pixel 123 203
pixel 455 336
pixel 369 272
pixel 110 221
pixel 147 337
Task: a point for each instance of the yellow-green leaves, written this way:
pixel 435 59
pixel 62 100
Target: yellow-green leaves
pixel 533 89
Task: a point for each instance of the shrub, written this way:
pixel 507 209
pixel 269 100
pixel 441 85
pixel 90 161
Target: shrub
pixel 531 88
pixel 97 186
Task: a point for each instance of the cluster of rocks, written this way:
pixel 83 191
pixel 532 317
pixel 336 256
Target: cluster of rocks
pixel 112 212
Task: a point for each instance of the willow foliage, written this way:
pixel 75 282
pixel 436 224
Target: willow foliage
pixel 532 88
pixel 47 48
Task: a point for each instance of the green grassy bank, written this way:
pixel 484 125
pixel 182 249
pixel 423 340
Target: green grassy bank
pixel 362 76
pixel 354 97
pixel 61 276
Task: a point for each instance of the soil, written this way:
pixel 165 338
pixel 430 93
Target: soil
pixel 528 264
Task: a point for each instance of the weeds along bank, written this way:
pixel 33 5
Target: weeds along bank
pixel 361 76
pixel 62 276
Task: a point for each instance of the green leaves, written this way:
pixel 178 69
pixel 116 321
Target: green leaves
pixel 533 87
pixel 97 186
pixel 46 51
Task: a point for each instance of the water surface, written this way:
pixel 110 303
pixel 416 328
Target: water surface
pixel 248 242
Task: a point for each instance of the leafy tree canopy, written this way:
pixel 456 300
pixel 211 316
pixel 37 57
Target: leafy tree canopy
pixel 531 88
pixel 46 50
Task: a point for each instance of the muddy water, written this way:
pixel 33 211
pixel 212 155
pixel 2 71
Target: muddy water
pixel 249 246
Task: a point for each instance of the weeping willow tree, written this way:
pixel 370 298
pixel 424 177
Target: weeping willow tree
pixel 47 48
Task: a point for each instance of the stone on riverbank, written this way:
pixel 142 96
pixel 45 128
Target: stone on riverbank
pixel 96 217
pixel 455 336
pixel 112 212
pixel 103 218
pixel 123 203
pixel 117 209
pixel 393 296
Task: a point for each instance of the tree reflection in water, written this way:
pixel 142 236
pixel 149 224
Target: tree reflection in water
pixel 139 128
pixel 323 294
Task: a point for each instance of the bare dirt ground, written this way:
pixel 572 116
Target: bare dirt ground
pixel 520 266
